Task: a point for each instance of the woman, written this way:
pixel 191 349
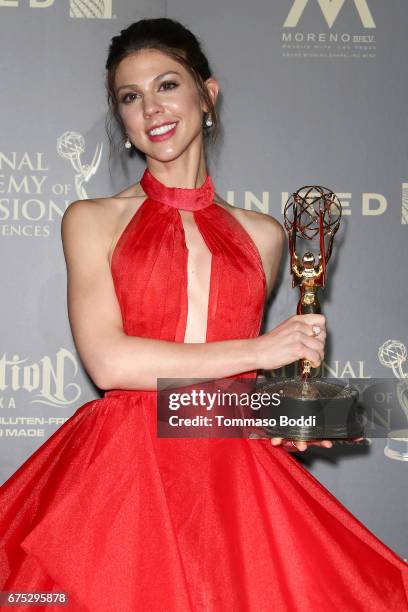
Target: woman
pixel 165 279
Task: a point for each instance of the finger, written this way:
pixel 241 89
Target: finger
pixel 307 337
pixel 295 445
pixel 313 347
pixel 327 443
pixel 301 445
pixel 320 337
pixel 310 339
pixel 311 355
pixel 309 329
pixel 305 328
pixel 313 319
pixel 276 441
pixel 324 443
pixel 314 331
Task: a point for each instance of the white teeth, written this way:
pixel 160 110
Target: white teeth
pixel 163 129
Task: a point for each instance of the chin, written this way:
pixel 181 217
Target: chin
pixel 167 155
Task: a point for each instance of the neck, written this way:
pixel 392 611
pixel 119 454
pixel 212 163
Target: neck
pixel 185 198
pixel 187 171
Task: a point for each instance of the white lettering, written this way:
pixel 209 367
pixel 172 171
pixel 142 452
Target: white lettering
pixel 381 204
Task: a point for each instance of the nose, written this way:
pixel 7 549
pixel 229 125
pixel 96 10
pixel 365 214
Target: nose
pixel 151 106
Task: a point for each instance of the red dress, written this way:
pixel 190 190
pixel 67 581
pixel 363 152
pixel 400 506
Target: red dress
pixel 124 521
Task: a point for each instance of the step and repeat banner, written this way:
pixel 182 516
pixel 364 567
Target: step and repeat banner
pixel 312 92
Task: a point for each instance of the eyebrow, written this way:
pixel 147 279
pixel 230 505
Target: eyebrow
pixel 155 79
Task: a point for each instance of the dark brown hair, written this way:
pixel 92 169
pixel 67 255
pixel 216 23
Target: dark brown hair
pixel 173 39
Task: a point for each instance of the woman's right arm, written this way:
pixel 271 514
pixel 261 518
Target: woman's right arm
pixel 115 360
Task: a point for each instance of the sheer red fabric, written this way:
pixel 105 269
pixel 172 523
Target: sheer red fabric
pixel 123 520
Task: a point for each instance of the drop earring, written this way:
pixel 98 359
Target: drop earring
pixel 208 121
pixel 128 144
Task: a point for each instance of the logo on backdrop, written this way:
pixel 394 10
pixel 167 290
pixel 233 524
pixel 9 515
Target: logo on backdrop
pixel 301 43
pixel 30 197
pixel 91 9
pixel 45 379
pixel 393 354
pixel 70 146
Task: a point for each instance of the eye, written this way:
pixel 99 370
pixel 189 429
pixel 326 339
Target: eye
pixel 172 83
pixel 126 99
pixel 168 85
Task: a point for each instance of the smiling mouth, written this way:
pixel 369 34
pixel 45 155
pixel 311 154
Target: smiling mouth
pixel 163 129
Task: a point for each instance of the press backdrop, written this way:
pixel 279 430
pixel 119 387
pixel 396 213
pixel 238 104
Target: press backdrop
pixel 312 92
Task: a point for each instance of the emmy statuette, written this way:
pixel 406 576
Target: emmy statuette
pixel 314 408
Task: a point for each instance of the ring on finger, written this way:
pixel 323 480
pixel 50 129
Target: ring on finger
pixel 316 330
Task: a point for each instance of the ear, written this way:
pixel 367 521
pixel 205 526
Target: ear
pixel 213 88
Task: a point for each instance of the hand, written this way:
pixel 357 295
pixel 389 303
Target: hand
pixel 291 340
pixel 300 445
pixel 293 445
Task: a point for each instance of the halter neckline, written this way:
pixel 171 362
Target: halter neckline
pixel 178 197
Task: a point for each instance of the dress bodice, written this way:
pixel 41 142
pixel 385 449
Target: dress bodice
pixel 149 267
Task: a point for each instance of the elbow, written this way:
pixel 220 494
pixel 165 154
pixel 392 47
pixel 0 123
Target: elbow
pixel 112 370
pixel 105 366
pixel 106 378
pixel 103 382
pixel 103 374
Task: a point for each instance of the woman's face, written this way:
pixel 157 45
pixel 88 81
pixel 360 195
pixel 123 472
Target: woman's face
pixel 153 89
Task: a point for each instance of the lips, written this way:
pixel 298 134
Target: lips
pixel 158 125
pixel 168 134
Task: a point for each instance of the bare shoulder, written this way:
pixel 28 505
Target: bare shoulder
pixel 100 220
pixel 86 223
pixel 97 210
pixel 89 211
